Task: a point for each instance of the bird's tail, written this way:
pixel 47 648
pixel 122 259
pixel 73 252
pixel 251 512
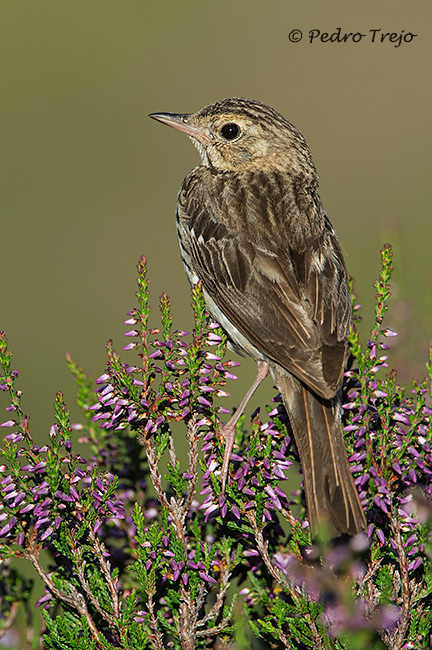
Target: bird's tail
pixel 331 496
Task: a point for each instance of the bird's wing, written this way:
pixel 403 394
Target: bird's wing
pixel 289 307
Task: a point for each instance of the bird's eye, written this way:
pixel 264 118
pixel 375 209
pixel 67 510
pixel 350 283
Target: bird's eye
pixel 230 131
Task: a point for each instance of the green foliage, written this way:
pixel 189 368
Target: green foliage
pixel 146 552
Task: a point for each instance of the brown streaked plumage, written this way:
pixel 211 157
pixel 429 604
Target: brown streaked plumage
pixel 251 227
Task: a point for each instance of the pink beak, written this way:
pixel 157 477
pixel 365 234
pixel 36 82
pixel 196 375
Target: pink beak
pixel 181 122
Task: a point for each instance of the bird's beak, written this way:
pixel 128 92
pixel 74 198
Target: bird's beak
pixel 181 121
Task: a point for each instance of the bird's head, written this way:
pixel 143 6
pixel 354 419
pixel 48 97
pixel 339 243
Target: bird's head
pixel 238 134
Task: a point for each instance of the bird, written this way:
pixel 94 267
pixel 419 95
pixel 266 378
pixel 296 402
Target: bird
pixel 252 229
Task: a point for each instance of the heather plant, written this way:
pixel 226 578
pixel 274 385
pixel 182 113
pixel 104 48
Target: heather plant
pixel 138 548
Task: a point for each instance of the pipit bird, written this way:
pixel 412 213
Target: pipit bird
pixel 252 229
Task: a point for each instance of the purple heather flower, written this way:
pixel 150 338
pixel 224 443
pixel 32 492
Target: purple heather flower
pixel 213 338
pixel 27 508
pixel 412 566
pixel 276 411
pixel 381 503
pixel 132 415
pixel 131 333
pixel 203 401
pixel 280 492
pixel 410 540
pixel 44 599
pixel 10 495
pixel 8 527
pixel 39 467
pixel 272 494
pixel 400 417
pixel 14 437
pixel 210 510
pixel 19 499
pixel 380 536
pixel 206 446
pixel 63 497
pixel 41 522
pixel 97 525
pixel 362 479
pixel 205 576
pixel 212 357
pixel 49 531
pixel 8 484
pixel 223 510
pixel 412 475
pixel 236 512
pixel 372 348
pixel 130 346
pixel 232 364
pixel 397 468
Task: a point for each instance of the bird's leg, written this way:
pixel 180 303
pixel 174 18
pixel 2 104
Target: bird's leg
pixel 228 430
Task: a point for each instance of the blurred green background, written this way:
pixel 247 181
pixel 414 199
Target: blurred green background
pixel 89 183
